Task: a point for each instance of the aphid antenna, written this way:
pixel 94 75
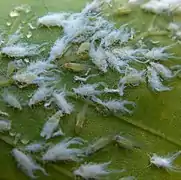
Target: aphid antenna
pixel 142 62
pixel 171 45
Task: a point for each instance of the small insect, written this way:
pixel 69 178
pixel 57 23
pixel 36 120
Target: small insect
pixel 156 7
pixel 115 62
pixel 163 71
pixel 21 50
pixel 5 125
pixel 80 119
pixel 62 103
pixel 76 67
pixel 132 77
pixel 88 89
pixel 58 48
pixel 95 171
pixel 39 67
pixel 51 125
pixel 83 50
pixel 40 95
pixel 155 81
pixel 115 105
pixel 98 57
pixel 53 19
pixel 11 100
pixel 62 152
pixel 35 147
pixel 125 142
pixel 25 78
pixel 158 53
pixel 165 162
pixel 99 144
pixel 26 163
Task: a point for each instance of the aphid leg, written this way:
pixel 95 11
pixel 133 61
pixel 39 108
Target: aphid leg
pixel 30 174
pixel 104 165
pixel 42 170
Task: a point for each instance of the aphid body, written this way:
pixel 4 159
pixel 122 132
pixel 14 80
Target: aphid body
pixel 62 103
pixel 35 147
pixel 26 163
pixel 163 71
pixel 51 125
pixel 11 100
pixel 165 162
pixel 21 50
pixel 87 90
pixel 98 145
pixel 62 152
pixel 94 171
pixel 154 80
pixel 5 125
pixel 53 19
pixel 98 57
pixel 40 95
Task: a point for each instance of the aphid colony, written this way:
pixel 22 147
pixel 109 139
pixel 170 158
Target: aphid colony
pixel 107 48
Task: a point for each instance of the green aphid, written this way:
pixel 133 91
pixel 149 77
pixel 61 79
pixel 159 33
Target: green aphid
pixel 122 11
pixel 76 67
pixel 11 68
pixel 125 142
pixel 99 144
pixel 83 51
pixel 80 119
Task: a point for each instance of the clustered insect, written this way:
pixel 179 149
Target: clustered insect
pixel 108 49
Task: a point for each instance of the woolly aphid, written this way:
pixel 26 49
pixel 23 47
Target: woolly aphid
pixel 115 105
pixel 98 57
pixel 162 70
pixel 132 77
pixel 95 171
pixel 51 125
pixel 155 81
pixel 35 147
pixel 27 164
pixel 62 151
pixel 53 19
pixel 62 103
pixel 165 162
pixel 115 62
pixel 59 48
pixel 88 89
pixel 21 50
pixel 41 94
pixel 5 125
pixel 11 100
